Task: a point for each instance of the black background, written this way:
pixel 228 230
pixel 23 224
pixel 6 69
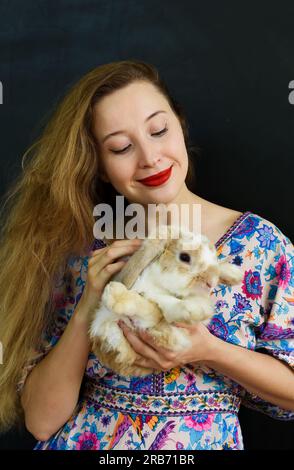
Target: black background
pixel 229 63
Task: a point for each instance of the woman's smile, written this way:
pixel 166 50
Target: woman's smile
pixel 157 179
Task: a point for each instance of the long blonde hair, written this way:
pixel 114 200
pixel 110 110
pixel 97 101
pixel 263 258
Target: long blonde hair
pixel 48 216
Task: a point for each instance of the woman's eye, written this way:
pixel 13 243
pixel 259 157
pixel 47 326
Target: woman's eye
pixel 157 134
pixel 120 151
pixel 163 131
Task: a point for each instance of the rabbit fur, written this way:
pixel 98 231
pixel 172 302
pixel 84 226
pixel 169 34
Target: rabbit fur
pixel 166 280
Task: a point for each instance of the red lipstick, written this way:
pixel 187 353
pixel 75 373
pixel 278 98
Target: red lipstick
pixel 159 178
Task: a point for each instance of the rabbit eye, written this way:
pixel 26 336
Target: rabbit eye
pixel 185 257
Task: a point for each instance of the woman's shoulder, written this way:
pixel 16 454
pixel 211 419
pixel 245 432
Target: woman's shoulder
pixel 262 240
pixel 268 232
pixel 251 223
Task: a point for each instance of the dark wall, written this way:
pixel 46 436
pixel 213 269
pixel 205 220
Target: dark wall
pixel 229 63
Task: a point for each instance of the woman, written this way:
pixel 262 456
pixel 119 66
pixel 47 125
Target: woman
pixel 117 126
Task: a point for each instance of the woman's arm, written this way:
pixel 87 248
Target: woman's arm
pixel 51 390
pixel 261 374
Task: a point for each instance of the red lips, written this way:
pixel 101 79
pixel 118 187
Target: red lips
pixel 157 179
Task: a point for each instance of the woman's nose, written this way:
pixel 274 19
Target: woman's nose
pixel 147 157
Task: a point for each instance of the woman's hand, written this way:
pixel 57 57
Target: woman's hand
pixel 156 357
pixel 102 265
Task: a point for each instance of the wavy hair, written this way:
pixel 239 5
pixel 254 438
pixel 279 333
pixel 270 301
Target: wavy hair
pixel 47 216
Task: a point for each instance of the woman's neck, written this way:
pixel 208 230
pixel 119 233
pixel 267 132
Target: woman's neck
pixel 186 209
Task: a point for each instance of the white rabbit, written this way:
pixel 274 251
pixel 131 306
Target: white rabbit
pixel 167 279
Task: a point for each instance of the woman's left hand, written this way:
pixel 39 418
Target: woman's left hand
pixel 153 356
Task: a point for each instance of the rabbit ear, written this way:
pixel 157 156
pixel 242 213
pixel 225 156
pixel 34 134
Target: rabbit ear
pixel 148 251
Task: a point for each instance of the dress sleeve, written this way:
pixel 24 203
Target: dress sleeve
pixel 63 304
pixel 275 336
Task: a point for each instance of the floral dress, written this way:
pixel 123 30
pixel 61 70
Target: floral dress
pixel 186 407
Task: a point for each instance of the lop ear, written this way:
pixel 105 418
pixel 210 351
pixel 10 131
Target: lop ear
pixel 148 251
pixel 229 273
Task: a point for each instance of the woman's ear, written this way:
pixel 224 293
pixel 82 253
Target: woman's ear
pixel 102 173
pixel 104 178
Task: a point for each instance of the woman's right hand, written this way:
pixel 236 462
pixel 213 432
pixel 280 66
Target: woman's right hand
pixel 102 265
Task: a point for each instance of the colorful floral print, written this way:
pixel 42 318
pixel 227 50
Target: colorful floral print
pixel 187 407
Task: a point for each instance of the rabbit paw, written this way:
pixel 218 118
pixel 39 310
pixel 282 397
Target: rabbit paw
pixel 120 300
pixel 113 291
pixel 196 309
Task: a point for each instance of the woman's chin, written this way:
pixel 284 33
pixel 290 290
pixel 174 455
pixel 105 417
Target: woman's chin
pixel 161 197
pixel 164 194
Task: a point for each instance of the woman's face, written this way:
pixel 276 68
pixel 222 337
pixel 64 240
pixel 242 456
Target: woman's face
pixel 136 152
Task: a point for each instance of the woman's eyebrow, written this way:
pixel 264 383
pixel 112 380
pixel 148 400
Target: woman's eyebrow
pixel 121 132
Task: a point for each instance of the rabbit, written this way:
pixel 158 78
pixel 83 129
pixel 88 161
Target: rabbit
pixel 166 280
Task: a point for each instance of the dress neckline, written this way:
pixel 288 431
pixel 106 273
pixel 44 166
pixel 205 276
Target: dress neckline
pixel 221 240
pixel 231 229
